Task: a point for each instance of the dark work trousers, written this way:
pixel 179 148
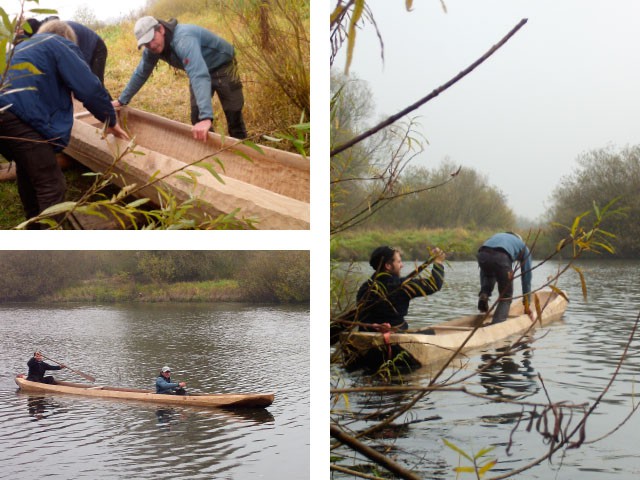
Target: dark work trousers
pixel 496 266
pixel 41 183
pixel 226 83
pixel 99 60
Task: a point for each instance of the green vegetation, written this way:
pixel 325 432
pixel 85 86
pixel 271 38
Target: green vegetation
pixel 115 289
pixel 153 276
pixel 458 243
pixel 604 175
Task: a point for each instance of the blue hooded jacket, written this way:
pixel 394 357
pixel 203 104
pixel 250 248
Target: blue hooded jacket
pixel 193 49
pixel 47 107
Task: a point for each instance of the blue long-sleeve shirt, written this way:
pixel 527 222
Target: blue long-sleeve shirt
pixel 518 251
pixel 47 106
pixel 165 386
pixel 193 49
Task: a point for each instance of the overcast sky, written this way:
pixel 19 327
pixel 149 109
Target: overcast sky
pixel 568 82
pixel 105 10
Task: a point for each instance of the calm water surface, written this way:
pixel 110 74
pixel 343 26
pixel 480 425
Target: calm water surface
pixel 214 348
pixel 575 358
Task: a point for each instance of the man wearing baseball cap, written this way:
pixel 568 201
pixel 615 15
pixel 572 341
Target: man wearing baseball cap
pixel 164 385
pixel 209 62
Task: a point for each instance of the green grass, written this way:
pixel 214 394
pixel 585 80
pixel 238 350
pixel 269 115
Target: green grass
pixel 116 289
pixel 458 243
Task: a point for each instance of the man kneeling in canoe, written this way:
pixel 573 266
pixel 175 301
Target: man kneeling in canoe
pixel 164 385
pixel 37 369
pixel 385 297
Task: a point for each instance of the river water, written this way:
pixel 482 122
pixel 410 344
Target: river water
pixel 214 348
pixel 575 358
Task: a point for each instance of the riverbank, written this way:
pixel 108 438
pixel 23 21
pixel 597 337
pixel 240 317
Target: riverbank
pixel 458 243
pixel 115 290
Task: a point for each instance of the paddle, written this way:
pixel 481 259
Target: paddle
pixel 83 375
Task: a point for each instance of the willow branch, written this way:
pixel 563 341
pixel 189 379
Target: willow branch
pixel 429 97
pixel 372 454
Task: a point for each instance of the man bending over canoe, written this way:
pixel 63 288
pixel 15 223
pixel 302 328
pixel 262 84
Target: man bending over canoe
pixel 495 259
pixel 37 369
pixel 164 385
pixel 385 297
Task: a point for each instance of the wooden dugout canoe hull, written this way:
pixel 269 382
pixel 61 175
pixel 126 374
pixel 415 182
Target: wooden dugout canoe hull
pixel 222 400
pixel 363 348
pixel 273 186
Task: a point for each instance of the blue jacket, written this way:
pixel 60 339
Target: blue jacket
pixel 193 49
pixel 518 251
pixel 48 108
pixel 165 386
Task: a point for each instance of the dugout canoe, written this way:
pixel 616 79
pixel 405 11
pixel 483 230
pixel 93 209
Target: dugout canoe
pixel 220 400
pixel 270 185
pixel 435 344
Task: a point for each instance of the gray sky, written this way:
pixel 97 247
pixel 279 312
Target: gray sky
pixel 565 84
pixel 107 10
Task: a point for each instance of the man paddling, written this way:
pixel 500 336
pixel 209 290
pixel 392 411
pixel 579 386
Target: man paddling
pixel 37 369
pixel 495 259
pixel 164 385
pixel 384 298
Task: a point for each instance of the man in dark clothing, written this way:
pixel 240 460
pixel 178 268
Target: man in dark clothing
pixel 210 65
pixel 37 369
pixel 385 297
pixel 37 117
pixel 495 259
pixel 94 50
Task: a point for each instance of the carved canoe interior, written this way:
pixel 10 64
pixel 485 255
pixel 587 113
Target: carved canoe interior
pixel 269 185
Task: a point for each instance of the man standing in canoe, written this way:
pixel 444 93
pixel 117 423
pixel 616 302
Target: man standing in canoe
pixel 385 297
pixel 164 385
pixel 37 369
pixel 209 61
pixel 495 259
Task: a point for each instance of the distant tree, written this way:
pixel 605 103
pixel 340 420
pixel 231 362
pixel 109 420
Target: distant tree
pixel 604 175
pixel 468 202
pixel 276 276
pixel 86 16
pixel 156 267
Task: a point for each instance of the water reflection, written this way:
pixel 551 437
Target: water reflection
pixel 504 375
pixel 40 407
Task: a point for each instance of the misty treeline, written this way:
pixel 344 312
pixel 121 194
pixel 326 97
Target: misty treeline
pixel 266 276
pixel 602 176
pixel 444 196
